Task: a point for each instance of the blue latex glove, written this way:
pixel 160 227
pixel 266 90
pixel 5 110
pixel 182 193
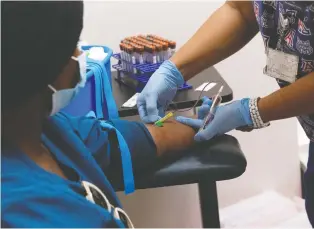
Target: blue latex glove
pixel 227 117
pixel 159 92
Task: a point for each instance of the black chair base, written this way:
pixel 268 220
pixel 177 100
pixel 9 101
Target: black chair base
pixel 209 204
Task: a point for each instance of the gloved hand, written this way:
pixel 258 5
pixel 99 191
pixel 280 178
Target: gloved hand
pixel 227 117
pixel 159 92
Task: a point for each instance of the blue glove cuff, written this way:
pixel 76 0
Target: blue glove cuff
pixel 176 75
pixel 245 111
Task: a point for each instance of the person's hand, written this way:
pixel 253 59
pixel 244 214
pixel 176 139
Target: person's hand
pixel 235 115
pixel 159 92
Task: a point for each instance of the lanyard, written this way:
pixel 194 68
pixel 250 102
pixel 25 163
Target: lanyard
pixel 103 90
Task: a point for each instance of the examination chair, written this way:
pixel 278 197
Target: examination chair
pixel 218 159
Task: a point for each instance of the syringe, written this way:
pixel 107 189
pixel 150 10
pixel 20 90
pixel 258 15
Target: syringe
pixel 211 113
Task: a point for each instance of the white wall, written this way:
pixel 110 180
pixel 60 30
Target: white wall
pixel 271 153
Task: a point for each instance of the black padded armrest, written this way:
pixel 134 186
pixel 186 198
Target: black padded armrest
pixel 218 159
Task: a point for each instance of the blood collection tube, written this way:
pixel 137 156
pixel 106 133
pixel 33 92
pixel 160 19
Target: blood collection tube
pixel 140 43
pixel 151 57
pixel 158 52
pixel 153 37
pixel 127 53
pixel 146 39
pixel 123 55
pixel 141 52
pixel 128 57
pixel 135 52
pixel 164 52
pixel 154 57
pixel 130 54
pixel 168 46
pixel 121 50
pixel 150 39
pixel 125 58
pixel 133 56
pixel 128 38
pixel 132 59
pixel 140 48
pixel 172 48
pixel 145 54
pixel 148 52
pixel 135 41
pixel 143 40
pixel 142 36
pixel 160 38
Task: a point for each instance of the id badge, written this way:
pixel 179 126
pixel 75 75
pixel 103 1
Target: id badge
pixel 281 65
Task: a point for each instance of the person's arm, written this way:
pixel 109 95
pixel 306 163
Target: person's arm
pixel 225 32
pixel 172 137
pixel 146 139
pixel 293 100
pixel 146 142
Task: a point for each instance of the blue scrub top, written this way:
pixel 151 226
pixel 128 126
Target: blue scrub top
pixel 33 197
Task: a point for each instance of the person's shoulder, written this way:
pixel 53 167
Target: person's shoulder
pixel 32 201
pixel 30 198
pixel 45 205
pixel 13 167
pixel 18 179
pixel 63 119
pixel 67 121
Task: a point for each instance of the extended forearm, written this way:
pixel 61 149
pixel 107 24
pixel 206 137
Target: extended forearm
pixel 293 100
pixel 173 136
pixel 225 32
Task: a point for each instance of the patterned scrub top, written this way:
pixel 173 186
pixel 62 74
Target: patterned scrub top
pixel 298 39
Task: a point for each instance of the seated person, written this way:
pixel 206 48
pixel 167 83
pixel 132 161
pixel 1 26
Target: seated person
pixel 56 168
